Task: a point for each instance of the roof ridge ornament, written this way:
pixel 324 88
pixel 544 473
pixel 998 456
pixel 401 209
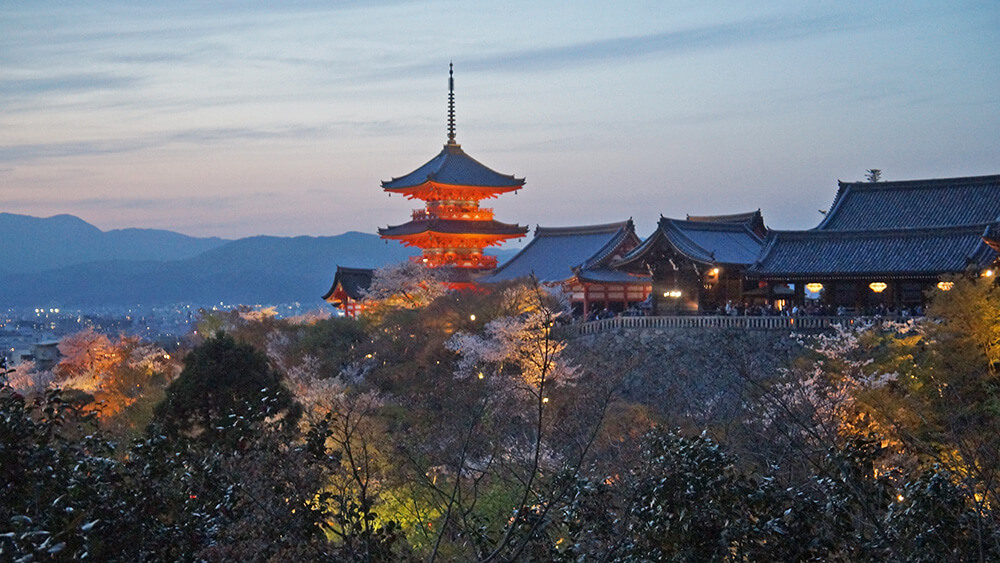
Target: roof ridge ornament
pixel 451 104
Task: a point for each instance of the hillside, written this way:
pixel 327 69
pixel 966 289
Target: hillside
pixel 34 244
pixel 253 270
pixel 63 261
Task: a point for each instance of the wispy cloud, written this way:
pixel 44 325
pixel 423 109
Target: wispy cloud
pixel 27 152
pixel 65 83
pixel 664 43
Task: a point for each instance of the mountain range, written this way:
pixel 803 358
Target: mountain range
pixel 64 261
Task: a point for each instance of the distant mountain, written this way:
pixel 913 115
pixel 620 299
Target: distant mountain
pixel 130 266
pixel 32 244
pixel 263 270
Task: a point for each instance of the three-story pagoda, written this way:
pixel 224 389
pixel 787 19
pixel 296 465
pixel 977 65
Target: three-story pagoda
pixel 452 229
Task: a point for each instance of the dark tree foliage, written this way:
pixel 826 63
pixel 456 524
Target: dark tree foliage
pixel 226 389
pixel 57 494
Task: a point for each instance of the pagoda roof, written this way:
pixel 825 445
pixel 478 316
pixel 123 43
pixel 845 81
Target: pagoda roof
pixel 557 254
pixel 701 240
pixel 916 204
pixel 452 226
pixel 895 253
pixel 453 167
pixel 354 282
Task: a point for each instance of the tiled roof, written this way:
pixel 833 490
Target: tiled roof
pixel 887 253
pixel 607 275
pixel 753 219
pixel 555 254
pixel 704 241
pixel 453 167
pixel 453 226
pixel 914 204
pixel 353 281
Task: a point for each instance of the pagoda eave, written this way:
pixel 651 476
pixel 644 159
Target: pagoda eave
pixel 435 190
pixel 451 240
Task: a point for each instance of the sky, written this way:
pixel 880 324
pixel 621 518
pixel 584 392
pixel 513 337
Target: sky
pixel 235 119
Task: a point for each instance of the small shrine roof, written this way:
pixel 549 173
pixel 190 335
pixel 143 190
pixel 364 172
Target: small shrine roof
pixel 354 282
pixel 453 226
pixel 914 204
pixel 887 253
pixel 452 166
pixel 556 254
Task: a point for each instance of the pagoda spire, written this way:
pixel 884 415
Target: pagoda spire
pixel 451 105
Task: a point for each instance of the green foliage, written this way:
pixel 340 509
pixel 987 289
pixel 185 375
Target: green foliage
pixel 57 479
pixel 225 389
pixel 412 455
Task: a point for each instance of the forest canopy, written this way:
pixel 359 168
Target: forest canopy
pixel 465 425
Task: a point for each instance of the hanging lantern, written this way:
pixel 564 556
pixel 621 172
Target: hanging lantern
pixel 945 285
pixel 814 287
pixel 878 287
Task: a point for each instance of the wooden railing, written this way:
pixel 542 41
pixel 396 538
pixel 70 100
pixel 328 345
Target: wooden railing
pixel 804 323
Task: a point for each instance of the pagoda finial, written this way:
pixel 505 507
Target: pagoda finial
pixel 451 104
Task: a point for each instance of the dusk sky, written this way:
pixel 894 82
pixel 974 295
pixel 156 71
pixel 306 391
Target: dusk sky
pixel 234 119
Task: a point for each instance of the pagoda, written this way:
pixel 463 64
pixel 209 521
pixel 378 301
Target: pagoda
pixel 452 229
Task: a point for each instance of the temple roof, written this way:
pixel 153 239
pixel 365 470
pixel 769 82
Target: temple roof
pixel 354 282
pixel 453 167
pixel 710 242
pixel 914 204
pixel 557 254
pixel 882 253
pixel 753 219
pixel 453 226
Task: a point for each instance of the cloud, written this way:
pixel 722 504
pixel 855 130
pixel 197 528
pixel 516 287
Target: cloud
pixel 28 152
pixel 65 83
pixel 664 43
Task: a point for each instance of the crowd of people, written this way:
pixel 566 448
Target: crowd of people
pixel 809 308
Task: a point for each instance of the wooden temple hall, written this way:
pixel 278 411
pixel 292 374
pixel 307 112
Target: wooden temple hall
pixel 881 246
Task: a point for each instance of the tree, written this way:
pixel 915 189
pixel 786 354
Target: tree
pixel 58 476
pixel 407 284
pixel 225 389
pixel 873 175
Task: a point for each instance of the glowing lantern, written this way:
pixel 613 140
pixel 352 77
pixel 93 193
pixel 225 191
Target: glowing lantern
pixel 878 287
pixel 945 285
pixel 988 273
pixel 814 287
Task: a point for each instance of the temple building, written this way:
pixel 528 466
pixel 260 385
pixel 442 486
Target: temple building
pixel 452 229
pixel 348 290
pixel 887 244
pixel 698 264
pixel 580 260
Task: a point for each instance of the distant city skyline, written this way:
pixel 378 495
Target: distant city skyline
pixel 236 119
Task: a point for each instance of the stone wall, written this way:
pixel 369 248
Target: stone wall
pixel 689 377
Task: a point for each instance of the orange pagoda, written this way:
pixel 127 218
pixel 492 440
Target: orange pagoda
pixel 452 229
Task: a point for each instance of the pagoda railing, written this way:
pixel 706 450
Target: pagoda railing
pixel 481 214
pixel 480 261
pixel 803 323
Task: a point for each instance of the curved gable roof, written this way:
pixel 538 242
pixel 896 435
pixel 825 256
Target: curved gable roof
pixel 354 282
pixel 555 254
pixel 917 204
pixel 702 240
pixel 721 243
pixel 453 167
